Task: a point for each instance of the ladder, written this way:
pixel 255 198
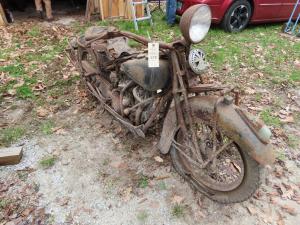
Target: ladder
pixel 133 10
pixel 290 26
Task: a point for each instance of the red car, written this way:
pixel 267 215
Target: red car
pixel 234 15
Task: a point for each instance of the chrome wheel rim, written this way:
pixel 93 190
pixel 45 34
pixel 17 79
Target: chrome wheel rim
pixel 239 17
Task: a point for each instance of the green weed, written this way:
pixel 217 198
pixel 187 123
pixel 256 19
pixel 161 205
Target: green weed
pixel 143 182
pixel 178 211
pixel 162 186
pixel 34 31
pixel 295 75
pixel 24 92
pixel 142 216
pixel 281 155
pixel 4 203
pixel 48 161
pixel 269 119
pixel 47 127
pixel 11 135
pixel 13 70
pixel 293 141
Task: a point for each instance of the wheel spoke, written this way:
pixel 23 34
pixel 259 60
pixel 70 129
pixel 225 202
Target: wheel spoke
pixel 234 24
pixel 222 167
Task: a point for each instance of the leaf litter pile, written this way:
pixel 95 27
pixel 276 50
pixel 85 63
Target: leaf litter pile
pixel 36 76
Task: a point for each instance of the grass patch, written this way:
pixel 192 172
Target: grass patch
pixel 293 141
pixel 162 186
pixel 106 161
pixel 47 127
pixel 259 48
pixel 13 70
pixel 4 203
pixel 295 76
pixel 34 31
pixel 143 182
pixel 48 161
pixel 142 216
pixel 11 135
pixel 281 155
pixel 24 92
pixel 269 119
pixel 177 211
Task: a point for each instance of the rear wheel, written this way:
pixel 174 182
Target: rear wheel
pixel 232 177
pixel 237 16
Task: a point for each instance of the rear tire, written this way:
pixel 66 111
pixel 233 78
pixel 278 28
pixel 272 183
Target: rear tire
pixel 237 16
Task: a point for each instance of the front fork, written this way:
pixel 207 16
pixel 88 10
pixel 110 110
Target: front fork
pixel 180 92
pixel 179 89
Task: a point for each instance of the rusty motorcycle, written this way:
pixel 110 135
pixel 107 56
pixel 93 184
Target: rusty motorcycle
pixel 218 147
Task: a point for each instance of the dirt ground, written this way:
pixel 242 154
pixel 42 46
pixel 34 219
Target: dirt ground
pixel 97 173
pixel 96 180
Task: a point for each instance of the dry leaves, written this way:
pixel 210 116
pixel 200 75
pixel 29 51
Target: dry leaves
pixel 158 159
pixel 126 195
pixel 59 130
pixel 176 199
pixel 290 210
pixel 42 112
pixel 251 210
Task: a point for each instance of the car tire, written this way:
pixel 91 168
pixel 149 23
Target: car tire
pixel 237 16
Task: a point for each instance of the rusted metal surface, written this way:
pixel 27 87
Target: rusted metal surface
pixel 228 120
pixel 140 97
pixel 109 49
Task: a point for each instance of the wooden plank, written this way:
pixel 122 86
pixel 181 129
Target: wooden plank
pixel 101 10
pixel 10 156
pixel 120 9
pixel 3 21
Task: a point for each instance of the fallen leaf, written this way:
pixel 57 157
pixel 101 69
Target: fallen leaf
pixel 290 210
pixel 251 210
pixel 39 86
pixel 19 84
pixel 162 177
pixel 61 131
pixel 118 164
pixel 12 92
pixel 64 201
pixel 280 219
pixel 126 194
pixel 177 199
pixel 250 91
pixel 288 119
pixel 27 211
pixel 42 112
pixel 297 63
pixel 288 194
pixel 296 199
pixel 158 159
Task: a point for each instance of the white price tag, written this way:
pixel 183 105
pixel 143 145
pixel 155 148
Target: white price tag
pixel 153 54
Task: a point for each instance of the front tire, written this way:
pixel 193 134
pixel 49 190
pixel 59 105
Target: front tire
pixel 233 177
pixel 249 185
pixel 237 16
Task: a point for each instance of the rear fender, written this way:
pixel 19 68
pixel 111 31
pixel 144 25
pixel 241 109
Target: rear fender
pixel 228 120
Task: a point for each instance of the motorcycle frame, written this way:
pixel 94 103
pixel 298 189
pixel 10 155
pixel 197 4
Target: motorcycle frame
pixel 177 52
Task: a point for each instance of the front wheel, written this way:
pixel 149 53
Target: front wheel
pixel 237 16
pixel 233 176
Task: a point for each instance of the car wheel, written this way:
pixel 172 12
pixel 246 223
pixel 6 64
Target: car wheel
pixel 237 16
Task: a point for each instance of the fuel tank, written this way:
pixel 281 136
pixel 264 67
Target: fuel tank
pixel 152 79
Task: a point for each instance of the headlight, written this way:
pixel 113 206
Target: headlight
pixel 195 23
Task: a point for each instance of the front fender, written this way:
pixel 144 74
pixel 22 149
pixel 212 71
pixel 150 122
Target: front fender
pixel 228 120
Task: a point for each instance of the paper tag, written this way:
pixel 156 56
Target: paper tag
pixel 153 54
